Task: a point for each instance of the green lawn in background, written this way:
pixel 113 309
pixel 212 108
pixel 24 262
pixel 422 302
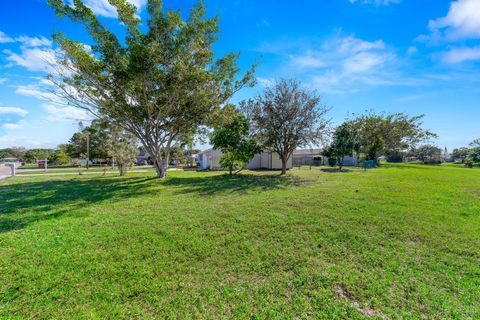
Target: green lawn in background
pixel 400 241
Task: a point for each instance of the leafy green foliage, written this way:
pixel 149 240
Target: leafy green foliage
pixel 98 141
pixel 389 134
pixel 460 154
pixel 345 142
pixel 13 152
pixel 474 155
pixel 427 153
pixel 234 142
pixel 161 85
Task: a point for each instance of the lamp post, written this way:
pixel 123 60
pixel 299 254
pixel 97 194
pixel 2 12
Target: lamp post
pixel 87 134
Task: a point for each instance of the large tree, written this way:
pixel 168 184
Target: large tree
pixel 389 134
pixel 160 84
pixel 285 117
pixel 235 143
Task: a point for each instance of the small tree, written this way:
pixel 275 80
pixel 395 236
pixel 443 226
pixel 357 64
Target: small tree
pixel 460 154
pixel 286 117
pixel 234 142
pixel 345 143
pixel 428 153
pixel 123 148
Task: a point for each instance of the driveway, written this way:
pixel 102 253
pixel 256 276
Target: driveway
pixel 4 171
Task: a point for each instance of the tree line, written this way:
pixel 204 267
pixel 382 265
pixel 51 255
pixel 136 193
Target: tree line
pixel 162 86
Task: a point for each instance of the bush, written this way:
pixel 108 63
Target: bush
pixel 395 158
pixel 332 162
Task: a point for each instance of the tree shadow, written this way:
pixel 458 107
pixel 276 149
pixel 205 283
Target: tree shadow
pixel 335 170
pixel 226 184
pixel 30 202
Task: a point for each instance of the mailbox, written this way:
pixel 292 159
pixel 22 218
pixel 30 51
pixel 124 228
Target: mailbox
pixel 41 164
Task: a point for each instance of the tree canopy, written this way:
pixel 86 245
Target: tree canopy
pixel 285 117
pixel 160 85
pixel 236 145
pixel 345 142
pixel 389 134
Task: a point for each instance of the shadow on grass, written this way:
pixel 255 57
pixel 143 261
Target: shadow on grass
pixel 226 184
pixel 335 170
pixel 26 203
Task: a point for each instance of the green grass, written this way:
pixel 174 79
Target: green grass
pixel 82 170
pixel 401 241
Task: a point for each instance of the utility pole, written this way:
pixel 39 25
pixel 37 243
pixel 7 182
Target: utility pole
pixel 88 148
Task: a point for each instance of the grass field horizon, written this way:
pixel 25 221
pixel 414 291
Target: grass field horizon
pixel 399 241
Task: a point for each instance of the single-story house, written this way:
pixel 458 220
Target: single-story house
pixel 349 161
pixel 142 158
pixel 210 159
pixel 310 157
pixel 307 157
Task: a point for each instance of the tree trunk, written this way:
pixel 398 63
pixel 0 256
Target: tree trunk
pixel 284 165
pixel 340 164
pixel 161 168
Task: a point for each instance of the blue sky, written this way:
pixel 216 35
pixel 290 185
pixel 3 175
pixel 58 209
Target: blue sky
pixel 413 56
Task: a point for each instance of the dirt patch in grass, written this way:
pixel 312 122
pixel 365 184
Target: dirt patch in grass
pixel 367 311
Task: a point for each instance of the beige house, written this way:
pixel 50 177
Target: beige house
pixel 210 159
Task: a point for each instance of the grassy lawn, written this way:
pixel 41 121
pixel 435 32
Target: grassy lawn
pixel 82 170
pixel 401 241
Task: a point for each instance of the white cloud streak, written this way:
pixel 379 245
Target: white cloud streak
pixel 463 54
pixel 4 38
pixel 56 113
pixel 13 110
pixel 104 9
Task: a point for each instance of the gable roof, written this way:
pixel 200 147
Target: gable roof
pixel 307 152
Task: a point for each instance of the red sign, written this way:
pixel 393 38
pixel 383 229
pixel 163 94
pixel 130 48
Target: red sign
pixel 41 164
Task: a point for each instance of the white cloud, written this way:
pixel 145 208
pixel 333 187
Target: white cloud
pixel 103 8
pixel 34 41
pixel 33 59
pixel 461 22
pixel 13 110
pixel 365 62
pixel 13 126
pixel 375 2
pixel 56 113
pixel 343 62
pixel 4 38
pixel 309 60
pixel 3 80
pixel 412 50
pixel 463 54
pixel 265 82
pixel 36 92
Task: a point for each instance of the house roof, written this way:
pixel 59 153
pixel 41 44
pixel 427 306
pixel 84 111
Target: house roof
pixel 307 152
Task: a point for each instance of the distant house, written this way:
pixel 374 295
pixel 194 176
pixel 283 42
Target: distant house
pixel 311 157
pixel 142 158
pixel 210 159
pixel 350 161
pixel 307 157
